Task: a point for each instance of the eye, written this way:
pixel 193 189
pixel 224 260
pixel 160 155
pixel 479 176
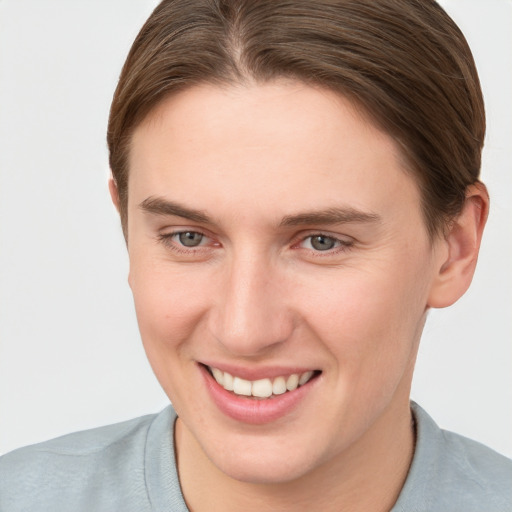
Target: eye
pixel 189 238
pixel 184 241
pixel 321 242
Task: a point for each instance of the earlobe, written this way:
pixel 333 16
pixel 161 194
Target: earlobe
pixel 457 262
pixel 114 193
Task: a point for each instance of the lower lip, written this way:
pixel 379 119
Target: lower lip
pixel 254 411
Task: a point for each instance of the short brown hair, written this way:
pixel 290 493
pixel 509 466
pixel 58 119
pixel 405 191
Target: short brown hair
pixel 405 62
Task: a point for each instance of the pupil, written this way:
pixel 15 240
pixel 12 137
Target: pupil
pixel 190 238
pixel 322 243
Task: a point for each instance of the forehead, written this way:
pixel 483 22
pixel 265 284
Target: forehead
pixel 274 146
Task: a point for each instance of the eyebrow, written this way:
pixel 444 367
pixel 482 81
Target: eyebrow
pixel 161 206
pixel 330 216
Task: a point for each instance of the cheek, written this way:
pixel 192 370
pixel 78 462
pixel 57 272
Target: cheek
pixel 369 319
pixel 170 308
pixel 169 303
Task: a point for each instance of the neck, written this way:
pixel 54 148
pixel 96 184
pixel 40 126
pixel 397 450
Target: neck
pixel 366 477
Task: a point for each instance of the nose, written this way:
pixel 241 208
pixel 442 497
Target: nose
pixel 251 315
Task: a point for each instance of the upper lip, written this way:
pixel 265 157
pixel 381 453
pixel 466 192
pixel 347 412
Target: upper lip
pixel 257 373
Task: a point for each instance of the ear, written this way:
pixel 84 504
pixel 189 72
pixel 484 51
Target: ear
pixel 114 192
pixel 459 249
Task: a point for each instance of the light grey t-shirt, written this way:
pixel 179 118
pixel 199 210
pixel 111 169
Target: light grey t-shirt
pixel 130 467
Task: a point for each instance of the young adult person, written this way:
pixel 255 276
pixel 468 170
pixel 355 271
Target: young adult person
pixel 298 184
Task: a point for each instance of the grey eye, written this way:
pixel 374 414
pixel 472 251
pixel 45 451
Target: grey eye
pixel 190 238
pixel 322 243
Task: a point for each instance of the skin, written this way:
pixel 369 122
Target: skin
pixel 256 293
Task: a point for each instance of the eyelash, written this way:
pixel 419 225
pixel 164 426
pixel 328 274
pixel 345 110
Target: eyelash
pixel 343 245
pixel 167 239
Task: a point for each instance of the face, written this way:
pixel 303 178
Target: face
pixel 275 237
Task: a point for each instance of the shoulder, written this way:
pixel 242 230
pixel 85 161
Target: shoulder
pixel 452 472
pixel 67 450
pixel 78 468
pixel 477 462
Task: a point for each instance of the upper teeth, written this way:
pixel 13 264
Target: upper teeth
pixel 262 388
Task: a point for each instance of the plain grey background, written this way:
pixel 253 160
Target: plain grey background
pixel 70 354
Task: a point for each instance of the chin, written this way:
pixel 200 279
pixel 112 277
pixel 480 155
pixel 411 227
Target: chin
pixel 263 465
pixel 263 472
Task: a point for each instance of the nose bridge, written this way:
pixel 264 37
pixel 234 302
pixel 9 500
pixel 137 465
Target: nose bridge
pixel 252 313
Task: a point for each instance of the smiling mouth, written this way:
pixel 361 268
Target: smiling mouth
pixel 262 388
